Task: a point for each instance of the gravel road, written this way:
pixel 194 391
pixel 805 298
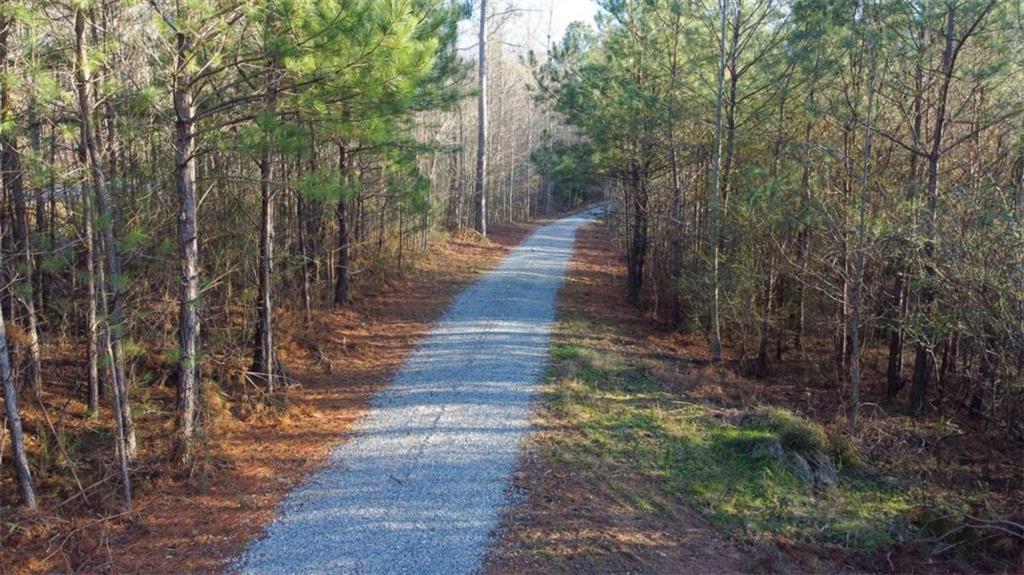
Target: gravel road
pixel 420 485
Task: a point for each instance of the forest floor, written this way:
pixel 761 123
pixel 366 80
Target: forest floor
pixel 647 459
pixel 194 521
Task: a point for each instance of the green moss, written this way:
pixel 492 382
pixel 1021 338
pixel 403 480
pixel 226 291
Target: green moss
pixel 795 433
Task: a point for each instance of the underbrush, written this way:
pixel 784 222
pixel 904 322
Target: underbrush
pixel 755 471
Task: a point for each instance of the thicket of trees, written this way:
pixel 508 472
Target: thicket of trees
pixel 809 177
pixel 797 173
pixel 171 170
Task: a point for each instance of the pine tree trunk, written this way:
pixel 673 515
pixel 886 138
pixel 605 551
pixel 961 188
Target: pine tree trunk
pixel 21 467
pixel 51 224
pixel 761 366
pixel 900 291
pixel 92 335
pixel 307 237
pixel 858 263
pixel 10 165
pixel 187 408
pixel 15 188
pixel 480 190
pixel 675 313
pixel 894 370
pixel 638 247
pixel 731 102
pixel 716 159
pixel 924 361
pixel 263 354
pixel 114 314
pixel 344 264
pixel 35 234
pixel 304 269
pixel 803 247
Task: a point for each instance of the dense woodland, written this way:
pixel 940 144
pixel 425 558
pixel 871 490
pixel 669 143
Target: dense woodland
pixel 817 178
pixel 176 175
pixel 813 178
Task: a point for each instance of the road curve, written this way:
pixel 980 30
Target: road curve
pixel 420 485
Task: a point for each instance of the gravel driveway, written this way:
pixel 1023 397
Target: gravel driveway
pixel 420 485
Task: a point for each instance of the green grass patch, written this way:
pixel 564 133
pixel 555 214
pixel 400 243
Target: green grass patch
pixel 626 429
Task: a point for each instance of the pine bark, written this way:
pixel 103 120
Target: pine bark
pixel 900 290
pixel 187 408
pixel 480 190
pixel 924 360
pixel 91 323
pixel 113 312
pixel 21 467
pixel 714 216
pixel 13 417
pixel 13 182
pixel 638 247
pixel 858 262
pixel 263 355
pixel 344 264
pixel 675 313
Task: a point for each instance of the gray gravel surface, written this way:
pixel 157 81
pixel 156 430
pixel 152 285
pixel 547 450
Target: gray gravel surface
pixel 420 485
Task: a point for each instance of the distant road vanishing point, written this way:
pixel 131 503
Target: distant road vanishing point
pixel 420 484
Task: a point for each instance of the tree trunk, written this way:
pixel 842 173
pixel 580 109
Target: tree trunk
pixel 114 329
pixel 15 188
pixel 894 371
pixel 91 323
pixel 24 473
pixel 304 269
pixel 21 467
pixel 716 160
pixel 480 191
pixel 51 227
pixel 263 354
pixel 761 366
pixel 731 102
pixel 900 290
pixel 125 445
pixel 188 245
pixel 858 262
pixel 924 357
pixel 803 246
pixel 344 264
pixel 638 247
pixel 36 232
pixel 10 165
pixel 675 313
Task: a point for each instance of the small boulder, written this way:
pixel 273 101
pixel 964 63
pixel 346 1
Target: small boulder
pixel 816 468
